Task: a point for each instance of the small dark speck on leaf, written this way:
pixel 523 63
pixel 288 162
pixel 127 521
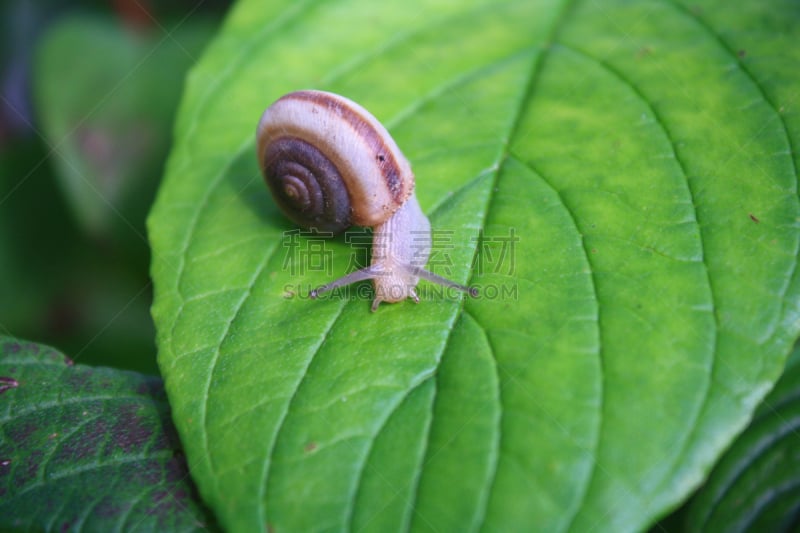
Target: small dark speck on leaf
pixel 32 347
pixel 7 383
pixel 742 52
pixel 148 471
pixel 79 381
pixel 158 497
pixel 12 348
pixel 644 52
pixel 311 446
pixel 88 446
pixel 28 468
pixel 108 508
pixel 165 503
pixel 754 218
pixel 130 430
pixel 21 432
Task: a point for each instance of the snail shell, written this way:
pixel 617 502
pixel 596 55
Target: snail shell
pixel 329 163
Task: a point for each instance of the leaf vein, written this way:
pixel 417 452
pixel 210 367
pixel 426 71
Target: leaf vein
pixel 284 415
pixel 495 460
pixel 694 416
pixel 85 399
pixel 368 452
pixel 216 355
pixel 116 461
pixel 584 489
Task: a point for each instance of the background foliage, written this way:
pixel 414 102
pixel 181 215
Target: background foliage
pixel 89 91
pixel 88 449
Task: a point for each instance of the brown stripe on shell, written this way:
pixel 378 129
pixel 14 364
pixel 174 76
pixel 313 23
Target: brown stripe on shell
pixel 384 156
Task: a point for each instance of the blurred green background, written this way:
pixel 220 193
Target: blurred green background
pixel 88 92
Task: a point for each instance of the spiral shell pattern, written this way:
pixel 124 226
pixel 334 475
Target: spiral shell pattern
pixel 306 185
pixel 329 163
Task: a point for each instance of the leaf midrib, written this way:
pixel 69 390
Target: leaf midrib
pixel 496 170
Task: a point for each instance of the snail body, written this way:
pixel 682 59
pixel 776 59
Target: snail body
pixel 330 164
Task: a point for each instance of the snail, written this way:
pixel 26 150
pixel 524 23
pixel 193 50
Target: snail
pixel 330 164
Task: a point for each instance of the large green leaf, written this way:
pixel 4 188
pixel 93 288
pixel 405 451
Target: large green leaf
pixel 87 449
pixel 643 155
